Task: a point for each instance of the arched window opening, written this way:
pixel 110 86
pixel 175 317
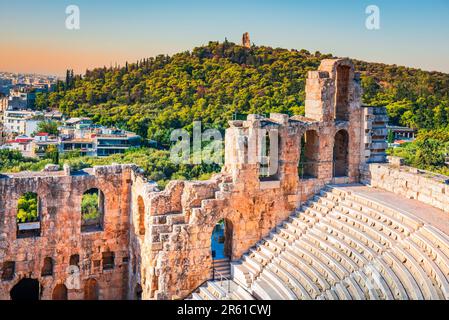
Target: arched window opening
pixel 141 209
pixel 60 292
pixel 28 216
pixel 221 247
pixel 108 260
pixel 92 210
pixel 26 289
pixel 138 292
pixel 74 260
pixel 8 270
pixel 341 152
pixel 154 285
pixel 269 155
pixel 47 269
pixel 342 93
pixel 91 290
pixel 308 165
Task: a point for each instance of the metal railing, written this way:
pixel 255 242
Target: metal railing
pixel 222 277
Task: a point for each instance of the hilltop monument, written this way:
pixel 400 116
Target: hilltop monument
pixel 246 42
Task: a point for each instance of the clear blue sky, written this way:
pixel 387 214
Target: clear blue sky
pixel 33 35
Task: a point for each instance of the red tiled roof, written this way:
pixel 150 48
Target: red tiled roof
pixel 22 140
pixel 42 134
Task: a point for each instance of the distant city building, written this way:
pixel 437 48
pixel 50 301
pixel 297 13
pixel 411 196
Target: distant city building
pixel 76 134
pixel 41 142
pixel 21 89
pixel 402 132
pixel 3 107
pixel 111 141
pixel 5 86
pixel 24 97
pixel 92 140
pixel 25 122
pixel 22 144
pixel 19 122
pixel 401 135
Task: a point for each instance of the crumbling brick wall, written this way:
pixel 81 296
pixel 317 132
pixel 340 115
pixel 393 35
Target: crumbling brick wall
pixel 176 250
pixel 61 237
pixel 162 239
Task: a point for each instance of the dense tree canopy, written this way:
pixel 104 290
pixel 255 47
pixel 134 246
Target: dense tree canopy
pixel 216 82
pixel 50 127
pixel 27 208
pixel 429 151
pixel 211 83
pixel 156 164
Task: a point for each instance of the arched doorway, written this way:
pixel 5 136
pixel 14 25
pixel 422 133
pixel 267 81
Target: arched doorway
pixel 47 269
pixel 26 289
pixel 221 240
pixel 342 93
pixel 92 210
pixel 91 290
pixel 269 155
pixel 28 216
pixel 60 292
pixel 138 292
pixel 310 155
pixel 341 152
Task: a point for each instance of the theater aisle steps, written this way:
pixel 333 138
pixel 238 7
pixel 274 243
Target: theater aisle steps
pixel 340 245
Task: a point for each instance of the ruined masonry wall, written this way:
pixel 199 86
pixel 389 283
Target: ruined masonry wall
pixel 409 182
pixel 60 207
pixel 162 239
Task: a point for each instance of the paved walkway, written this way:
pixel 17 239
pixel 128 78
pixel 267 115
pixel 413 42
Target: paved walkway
pixel 430 215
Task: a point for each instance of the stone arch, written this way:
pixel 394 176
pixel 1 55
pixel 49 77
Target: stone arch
pixel 8 270
pixel 92 210
pixel 269 154
pixel 60 292
pixel 138 292
pixel 222 239
pixel 308 164
pixel 141 214
pixel 108 260
pixel 28 215
pixel 342 83
pixel 74 260
pixel 91 291
pixel 47 268
pixel 26 289
pixel 341 154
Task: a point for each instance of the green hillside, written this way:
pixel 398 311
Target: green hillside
pixel 211 83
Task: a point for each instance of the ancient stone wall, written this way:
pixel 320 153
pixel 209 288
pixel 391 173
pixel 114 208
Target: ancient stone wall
pixel 161 240
pixel 176 251
pixel 61 238
pixel 375 134
pixel 409 182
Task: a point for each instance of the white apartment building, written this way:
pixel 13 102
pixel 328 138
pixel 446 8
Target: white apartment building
pixel 25 122
pixel 20 122
pixel 21 143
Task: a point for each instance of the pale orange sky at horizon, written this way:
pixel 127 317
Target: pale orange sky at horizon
pixel 34 38
pixel 26 59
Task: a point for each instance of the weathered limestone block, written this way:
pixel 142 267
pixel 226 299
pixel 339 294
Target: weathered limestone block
pixel 161 240
pixel 60 234
pixel 409 182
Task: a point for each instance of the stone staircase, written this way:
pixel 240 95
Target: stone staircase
pixel 339 245
pixel 222 268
